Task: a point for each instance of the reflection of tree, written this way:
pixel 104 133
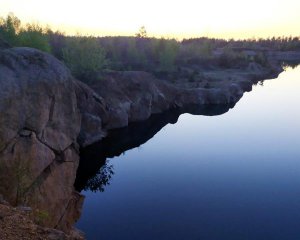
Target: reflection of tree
pixel 94 172
pixel 100 179
pixel 295 65
pixel 291 64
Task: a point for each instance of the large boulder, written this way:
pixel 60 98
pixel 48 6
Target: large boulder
pixel 37 94
pixel 132 96
pixel 117 99
pixel 39 125
pixel 93 114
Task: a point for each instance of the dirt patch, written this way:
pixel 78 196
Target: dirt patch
pixel 16 223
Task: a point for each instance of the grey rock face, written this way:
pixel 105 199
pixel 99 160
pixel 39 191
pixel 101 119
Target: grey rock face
pixel 39 125
pixel 93 113
pixel 37 93
pixel 132 96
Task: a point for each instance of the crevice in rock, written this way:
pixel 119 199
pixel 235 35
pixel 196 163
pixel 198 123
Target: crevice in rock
pixel 8 143
pixel 51 111
pixel 75 196
pixel 98 99
pixel 39 179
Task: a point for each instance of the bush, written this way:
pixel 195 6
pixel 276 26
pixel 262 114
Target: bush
pixel 57 41
pixel 84 56
pixel 231 59
pixel 168 50
pixel 261 59
pixel 34 36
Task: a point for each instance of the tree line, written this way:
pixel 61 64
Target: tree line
pixel 88 55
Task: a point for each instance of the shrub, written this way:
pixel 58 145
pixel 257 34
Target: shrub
pixel 84 56
pixel 261 59
pixel 34 36
pixel 168 50
pixel 230 59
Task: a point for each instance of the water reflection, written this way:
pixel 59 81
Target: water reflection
pixel 94 172
pixel 233 176
pixel 264 131
pixel 99 180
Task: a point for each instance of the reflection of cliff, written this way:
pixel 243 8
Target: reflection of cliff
pixel 94 172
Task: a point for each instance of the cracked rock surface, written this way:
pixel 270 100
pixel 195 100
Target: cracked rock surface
pixel 39 125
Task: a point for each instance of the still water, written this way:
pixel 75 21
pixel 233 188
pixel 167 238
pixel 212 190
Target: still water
pixel 230 176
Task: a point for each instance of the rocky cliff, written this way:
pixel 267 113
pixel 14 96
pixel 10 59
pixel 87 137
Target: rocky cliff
pixel 47 115
pixel 39 125
pixel 123 97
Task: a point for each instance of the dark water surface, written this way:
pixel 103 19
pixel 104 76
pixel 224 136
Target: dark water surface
pixel 230 176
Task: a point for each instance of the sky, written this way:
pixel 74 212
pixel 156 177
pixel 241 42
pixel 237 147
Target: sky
pixel 163 18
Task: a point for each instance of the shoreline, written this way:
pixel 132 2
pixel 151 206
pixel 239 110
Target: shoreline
pixel 47 116
pixel 132 96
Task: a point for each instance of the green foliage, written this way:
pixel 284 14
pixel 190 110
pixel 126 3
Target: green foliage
pixel 57 42
pixel 233 59
pixel 205 50
pixel 197 50
pixel 41 216
pixel 114 53
pixel 9 28
pixel 84 56
pixel 168 50
pixel 136 58
pixel 261 59
pixel 34 36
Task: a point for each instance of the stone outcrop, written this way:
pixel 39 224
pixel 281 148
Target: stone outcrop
pixel 120 98
pixel 39 125
pixel 285 56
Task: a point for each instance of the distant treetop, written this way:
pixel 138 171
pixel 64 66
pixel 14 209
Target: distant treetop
pixel 142 33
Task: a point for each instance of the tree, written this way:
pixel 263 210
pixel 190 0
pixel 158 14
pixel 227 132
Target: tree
pixel 135 57
pixel 205 49
pixel 34 36
pixel 9 28
pixel 84 56
pixel 142 33
pixel 57 41
pixel 168 50
pixel 101 179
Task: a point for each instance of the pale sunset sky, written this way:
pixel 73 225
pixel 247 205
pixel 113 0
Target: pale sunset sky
pixel 167 18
